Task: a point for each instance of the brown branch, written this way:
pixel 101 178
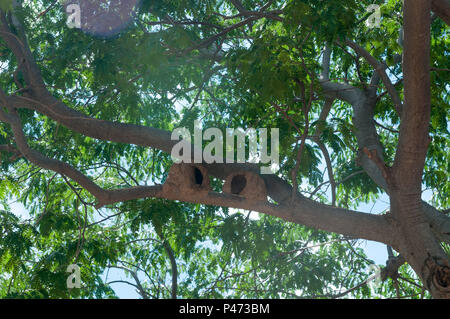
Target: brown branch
pixel 413 137
pixel 392 266
pixel 23 54
pixel 103 196
pixel 439 70
pixel 287 117
pixel 386 128
pixel 316 138
pixel 82 232
pixel 420 245
pixel 138 284
pixel 373 155
pixel 306 108
pixel 337 183
pixel 326 155
pixel 174 269
pixel 380 68
pixel 43 13
pixel 442 9
pixel 213 38
pixel 10 149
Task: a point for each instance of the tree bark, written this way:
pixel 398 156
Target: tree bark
pixel 418 245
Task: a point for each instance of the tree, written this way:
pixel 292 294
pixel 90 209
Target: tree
pixel 86 119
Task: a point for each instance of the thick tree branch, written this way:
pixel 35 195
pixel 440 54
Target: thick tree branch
pixel 442 9
pixel 413 137
pixel 418 244
pixel 367 136
pixel 304 211
pixel 103 196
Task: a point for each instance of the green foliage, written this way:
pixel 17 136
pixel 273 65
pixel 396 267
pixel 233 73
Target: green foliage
pixel 6 5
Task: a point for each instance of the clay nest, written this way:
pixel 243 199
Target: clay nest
pixel 187 178
pixel 441 278
pixel 246 184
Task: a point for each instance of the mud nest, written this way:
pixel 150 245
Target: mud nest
pixel 246 184
pixel 187 179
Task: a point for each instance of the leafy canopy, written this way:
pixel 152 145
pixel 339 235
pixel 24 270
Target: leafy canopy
pixel 159 72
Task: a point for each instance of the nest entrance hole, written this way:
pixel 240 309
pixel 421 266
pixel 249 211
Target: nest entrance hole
pixel 238 184
pixel 198 176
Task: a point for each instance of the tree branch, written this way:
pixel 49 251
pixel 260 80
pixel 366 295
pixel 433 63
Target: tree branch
pixel 442 9
pixel 380 69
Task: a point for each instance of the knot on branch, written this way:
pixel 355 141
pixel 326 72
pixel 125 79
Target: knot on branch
pixel 246 184
pixel 186 179
pixel 439 275
pixel 442 278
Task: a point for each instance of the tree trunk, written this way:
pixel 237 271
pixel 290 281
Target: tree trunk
pixel 417 244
